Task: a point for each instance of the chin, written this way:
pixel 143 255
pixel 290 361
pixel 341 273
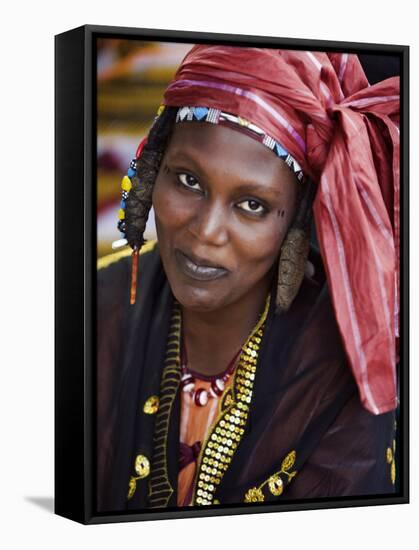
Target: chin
pixel 196 299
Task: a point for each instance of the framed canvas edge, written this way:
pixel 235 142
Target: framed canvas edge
pixel 87 513
pixel 263 40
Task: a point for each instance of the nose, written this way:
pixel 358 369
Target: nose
pixel 210 224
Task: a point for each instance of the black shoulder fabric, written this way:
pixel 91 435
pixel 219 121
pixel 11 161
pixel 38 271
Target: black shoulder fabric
pixel 131 343
pixel 379 67
pixel 112 294
pixel 355 457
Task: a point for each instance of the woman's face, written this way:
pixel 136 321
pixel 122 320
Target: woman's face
pixel 223 203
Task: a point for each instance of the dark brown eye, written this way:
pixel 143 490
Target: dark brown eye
pixel 250 205
pixel 189 181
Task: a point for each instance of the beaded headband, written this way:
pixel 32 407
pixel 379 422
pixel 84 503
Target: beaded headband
pixel 214 116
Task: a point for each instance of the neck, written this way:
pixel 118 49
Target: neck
pixel 213 338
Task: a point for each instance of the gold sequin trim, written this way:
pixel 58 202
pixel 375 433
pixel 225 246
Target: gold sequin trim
pixel 276 482
pixel 223 439
pixel 151 406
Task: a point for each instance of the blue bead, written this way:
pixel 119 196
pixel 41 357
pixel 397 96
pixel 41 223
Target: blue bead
pixel 280 151
pixel 200 112
pixel 122 204
pixel 131 172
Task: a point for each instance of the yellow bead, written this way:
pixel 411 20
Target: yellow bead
pixel 126 183
pixel 121 214
pixel 160 110
pixel 243 121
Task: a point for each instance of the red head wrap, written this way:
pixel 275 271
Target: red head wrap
pixel 345 135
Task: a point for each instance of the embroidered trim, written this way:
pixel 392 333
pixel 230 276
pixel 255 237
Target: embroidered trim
pixel 223 439
pixel 276 482
pixel 142 469
pixel 113 257
pixel 391 459
pixel 160 488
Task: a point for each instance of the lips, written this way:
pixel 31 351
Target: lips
pixel 200 270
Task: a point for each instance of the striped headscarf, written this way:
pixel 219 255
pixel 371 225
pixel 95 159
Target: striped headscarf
pixel 344 135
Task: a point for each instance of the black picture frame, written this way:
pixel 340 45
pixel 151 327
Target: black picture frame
pixel 75 267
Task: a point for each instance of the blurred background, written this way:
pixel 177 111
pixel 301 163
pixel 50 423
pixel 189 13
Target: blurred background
pixel 131 78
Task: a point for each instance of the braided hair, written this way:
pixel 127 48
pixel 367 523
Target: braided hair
pixel 295 249
pixel 138 203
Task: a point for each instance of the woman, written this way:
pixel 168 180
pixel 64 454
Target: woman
pixel 248 365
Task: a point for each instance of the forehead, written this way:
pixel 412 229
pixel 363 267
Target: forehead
pixel 222 148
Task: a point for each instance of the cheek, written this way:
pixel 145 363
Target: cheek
pixel 261 244
pixel 170 212
pixel 159 200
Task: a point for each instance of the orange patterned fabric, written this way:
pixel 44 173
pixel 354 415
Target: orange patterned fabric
pixel 195 423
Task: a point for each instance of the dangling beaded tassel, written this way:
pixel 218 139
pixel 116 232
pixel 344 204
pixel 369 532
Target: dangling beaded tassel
pixel 134 272
pixel 135 251
pixel 126 186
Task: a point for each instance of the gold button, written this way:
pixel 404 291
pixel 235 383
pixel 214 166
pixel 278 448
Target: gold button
pixel 151 406
pixel 142 466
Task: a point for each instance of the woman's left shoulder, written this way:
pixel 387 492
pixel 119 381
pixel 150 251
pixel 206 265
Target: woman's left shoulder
pixel 356 456
pixel 115 257
pixel 114 271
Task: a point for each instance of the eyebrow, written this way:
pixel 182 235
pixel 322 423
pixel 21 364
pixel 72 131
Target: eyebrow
pixel 245 186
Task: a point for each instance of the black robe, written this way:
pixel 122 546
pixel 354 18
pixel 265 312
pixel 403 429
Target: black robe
pixel 306 434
